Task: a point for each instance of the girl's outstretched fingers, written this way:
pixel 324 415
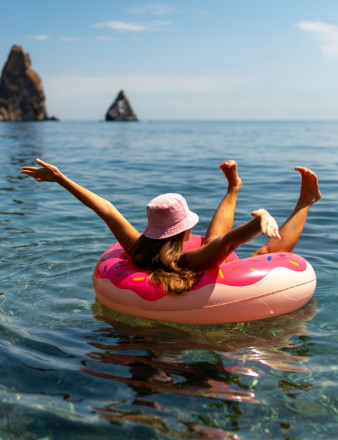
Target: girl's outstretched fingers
pixel 40 162
pixel 48 173
pixel 268 224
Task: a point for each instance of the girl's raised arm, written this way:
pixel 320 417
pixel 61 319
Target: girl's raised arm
pixel 124 232
pixel 215 252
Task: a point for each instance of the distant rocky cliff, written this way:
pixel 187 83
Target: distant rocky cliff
pixel 121 109
pixel 21 92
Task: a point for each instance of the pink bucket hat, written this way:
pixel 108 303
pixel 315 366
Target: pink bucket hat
pixel 168 215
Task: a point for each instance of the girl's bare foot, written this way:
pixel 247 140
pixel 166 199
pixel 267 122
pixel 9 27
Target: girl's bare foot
pixel 309 191
pixel 229 169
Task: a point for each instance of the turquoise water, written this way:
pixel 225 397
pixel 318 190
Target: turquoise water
pixel 70 368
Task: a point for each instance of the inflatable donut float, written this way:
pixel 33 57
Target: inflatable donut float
pixel 238 290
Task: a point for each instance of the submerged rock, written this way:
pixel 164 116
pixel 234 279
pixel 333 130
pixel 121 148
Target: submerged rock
pixel 21 93
pixel 121 109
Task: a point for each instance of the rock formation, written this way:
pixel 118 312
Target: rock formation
pixel 21 92
pixel 121 109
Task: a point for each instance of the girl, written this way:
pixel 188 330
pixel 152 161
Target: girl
pixel 159 250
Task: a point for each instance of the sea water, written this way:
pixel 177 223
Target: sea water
pixel 71 368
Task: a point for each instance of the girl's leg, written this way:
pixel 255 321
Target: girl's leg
pixel 223 218
pixel 293 227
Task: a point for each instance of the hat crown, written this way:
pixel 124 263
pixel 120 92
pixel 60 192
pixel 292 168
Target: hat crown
pixel 168 215
pixel 167 208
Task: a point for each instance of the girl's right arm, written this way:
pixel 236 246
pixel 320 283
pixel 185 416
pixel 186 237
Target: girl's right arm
pixel 216 251
pixel 124 232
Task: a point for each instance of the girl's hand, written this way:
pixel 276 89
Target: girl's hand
pixel 268 223
pixel 48 173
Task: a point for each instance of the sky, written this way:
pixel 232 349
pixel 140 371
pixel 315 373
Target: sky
pixel 181 59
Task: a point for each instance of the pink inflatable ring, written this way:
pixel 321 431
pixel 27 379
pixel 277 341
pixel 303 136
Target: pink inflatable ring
pixel 238 290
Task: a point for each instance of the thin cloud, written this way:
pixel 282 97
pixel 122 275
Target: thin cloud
pixel 70 39
pixel 153 9
pixel 103 38
pixel 40 37
pixel 154 26
pixel 120 26
pixel 160 25
pixel 325 34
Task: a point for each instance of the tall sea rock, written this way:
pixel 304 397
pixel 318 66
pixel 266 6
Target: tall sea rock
pixel 21 93
pixel 121 109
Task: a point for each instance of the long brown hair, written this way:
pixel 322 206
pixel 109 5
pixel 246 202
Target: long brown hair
pixel 160 257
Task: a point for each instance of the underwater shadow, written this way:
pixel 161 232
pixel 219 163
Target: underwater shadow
pixel 271 341
pixel 220 362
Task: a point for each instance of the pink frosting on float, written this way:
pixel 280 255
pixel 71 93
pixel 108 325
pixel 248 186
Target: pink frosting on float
pixel 115 266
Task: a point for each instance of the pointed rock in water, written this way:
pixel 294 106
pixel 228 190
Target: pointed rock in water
pixel 121 109
pixel 21 92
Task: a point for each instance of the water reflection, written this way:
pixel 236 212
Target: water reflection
pixel 221 363
pixel 243 341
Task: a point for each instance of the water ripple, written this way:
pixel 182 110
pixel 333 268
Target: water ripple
pixel 71 367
